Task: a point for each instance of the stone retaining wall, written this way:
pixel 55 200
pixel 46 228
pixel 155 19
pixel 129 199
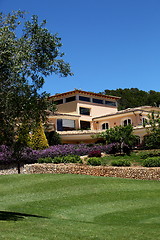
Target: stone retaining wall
pixel 10 169
pixel 122 172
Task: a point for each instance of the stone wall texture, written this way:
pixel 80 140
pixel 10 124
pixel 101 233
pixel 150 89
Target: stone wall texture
pixel 121 172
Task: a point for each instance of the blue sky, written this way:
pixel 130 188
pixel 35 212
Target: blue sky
pixel 109 43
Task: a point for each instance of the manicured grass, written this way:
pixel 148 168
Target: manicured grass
pixel 72 207
pixel 135 158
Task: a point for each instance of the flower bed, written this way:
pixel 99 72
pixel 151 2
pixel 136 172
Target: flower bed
pixel 29 155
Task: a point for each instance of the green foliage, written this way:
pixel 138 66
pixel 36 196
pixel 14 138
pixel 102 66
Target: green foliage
pixel 38 138
pixel 26 59
pixel 61 159
pixel 152 162
pixel 120 134
pixel 152 153
pixel 152 140
pixel 53 138
pixel 24 137
pixel 94 161
pixel 71 159
pixel 121 163
pixel 45 160
pixel 133 97
pixel 58 159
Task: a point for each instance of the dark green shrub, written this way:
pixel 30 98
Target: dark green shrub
pixel 152 141
pixel 126 149
pixel 94 161
pixel 61 159
pixel 71 159
pixel 53 138
pixel 95 153
pixel 58 159
pixel 152 162
pixel 121 163
pixel 67 159
pixel 45 160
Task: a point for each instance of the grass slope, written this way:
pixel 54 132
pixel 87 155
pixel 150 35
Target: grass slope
pixel 72 207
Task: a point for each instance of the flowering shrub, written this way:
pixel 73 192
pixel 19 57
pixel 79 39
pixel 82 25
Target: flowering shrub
pixel 95 153
pixel 29 155
pixel 114 148
pixel 5 155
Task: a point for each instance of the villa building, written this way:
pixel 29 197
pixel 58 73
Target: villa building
pixel 82 114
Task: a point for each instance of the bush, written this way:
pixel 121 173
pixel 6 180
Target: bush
pixel 45 160
pixel 71 159
pixel 126 149
pixel 152 162
pixel 38 138
pixel 6 155
pixel 113 148
pixel 121 163
pixel 58 159
pixel 53 138
pixel 61 159
pixel 94 161
pixel 95 153
pixel 152 141
pixel 150 154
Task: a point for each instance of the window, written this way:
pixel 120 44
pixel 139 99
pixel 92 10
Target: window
pixel 65 124
pixel 60 101
pixel 144 120
pixel 110 103
pixel 99 101
pixel 85 111
pixel 85 125
pixel 70 99
pixel 127 122
pixel 105 126
pixel 85 99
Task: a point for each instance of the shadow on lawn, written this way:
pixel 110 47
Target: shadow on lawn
pixel 15 216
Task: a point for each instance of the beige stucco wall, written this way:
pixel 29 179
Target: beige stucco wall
pixel 70 107
pixel 116 120
pixel 96 109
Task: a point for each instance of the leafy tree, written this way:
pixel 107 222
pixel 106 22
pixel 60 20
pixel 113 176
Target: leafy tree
pixel 120 134
pixel 152 140
pixel 23 135
pixel 27 57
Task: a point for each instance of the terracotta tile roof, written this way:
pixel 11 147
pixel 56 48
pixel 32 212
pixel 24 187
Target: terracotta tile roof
pixel 84 93
pixel 63 114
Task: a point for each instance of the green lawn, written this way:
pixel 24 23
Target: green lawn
pixel 136 158
pixel 72 207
